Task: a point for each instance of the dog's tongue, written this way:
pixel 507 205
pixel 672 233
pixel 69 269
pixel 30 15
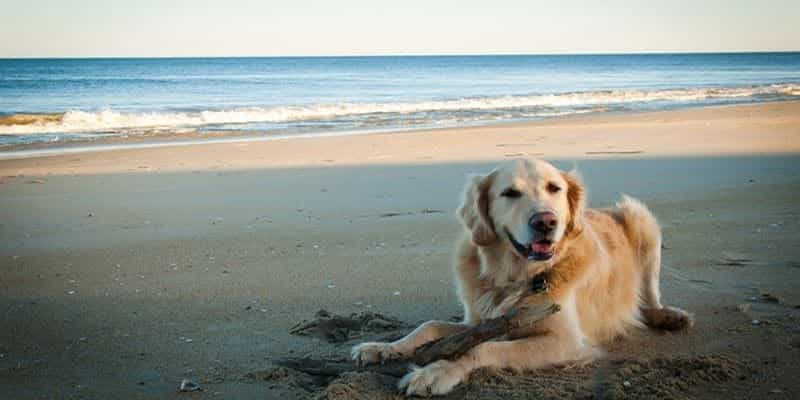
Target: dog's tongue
pixel 540 247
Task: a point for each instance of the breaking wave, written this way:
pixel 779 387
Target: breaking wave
pixel 553 104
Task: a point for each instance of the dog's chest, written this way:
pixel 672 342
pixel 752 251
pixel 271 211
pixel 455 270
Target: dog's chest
pixel 498 297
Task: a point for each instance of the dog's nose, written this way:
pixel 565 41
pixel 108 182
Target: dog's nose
pixel 544 222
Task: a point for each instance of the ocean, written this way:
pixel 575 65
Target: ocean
pixel 64 100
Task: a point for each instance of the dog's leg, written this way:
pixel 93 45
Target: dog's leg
pixel 374 352
pixel 644 231
pixel 656 315
pixel 442 376
pixel 562 345
pixel 467 271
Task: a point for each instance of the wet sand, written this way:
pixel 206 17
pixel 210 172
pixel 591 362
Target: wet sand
pixel 124 272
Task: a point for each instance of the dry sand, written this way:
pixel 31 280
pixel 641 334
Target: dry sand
pixel 124 272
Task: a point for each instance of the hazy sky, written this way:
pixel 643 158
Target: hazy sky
pixel 65 28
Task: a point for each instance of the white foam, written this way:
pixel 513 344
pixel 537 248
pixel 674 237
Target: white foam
pixel 112 121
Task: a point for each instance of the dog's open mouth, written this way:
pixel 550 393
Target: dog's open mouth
pixel 539 250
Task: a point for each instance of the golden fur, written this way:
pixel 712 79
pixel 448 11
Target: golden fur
pixel 603 271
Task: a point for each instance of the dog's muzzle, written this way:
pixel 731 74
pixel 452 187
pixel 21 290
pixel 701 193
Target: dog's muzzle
pixel 540 250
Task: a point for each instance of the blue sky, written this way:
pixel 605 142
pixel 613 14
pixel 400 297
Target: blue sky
pixel 92 28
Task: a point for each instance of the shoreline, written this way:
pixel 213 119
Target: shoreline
pixel 763 128
pixel 154 138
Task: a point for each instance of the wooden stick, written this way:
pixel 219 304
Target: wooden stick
pixel 458 344
pixel 449 347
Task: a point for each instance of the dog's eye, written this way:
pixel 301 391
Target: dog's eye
pixel 511 193
pixel 553 188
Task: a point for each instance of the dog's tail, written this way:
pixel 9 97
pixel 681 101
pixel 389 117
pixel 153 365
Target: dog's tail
pixel 644 233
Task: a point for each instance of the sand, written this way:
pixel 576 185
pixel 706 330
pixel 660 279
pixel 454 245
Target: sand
pixel 124 272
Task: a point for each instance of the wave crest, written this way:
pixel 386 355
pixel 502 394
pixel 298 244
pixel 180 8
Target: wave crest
pixel 111 121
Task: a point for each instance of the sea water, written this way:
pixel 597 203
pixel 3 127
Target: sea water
pixel 58 100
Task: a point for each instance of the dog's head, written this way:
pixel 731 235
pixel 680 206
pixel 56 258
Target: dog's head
pixel 528 205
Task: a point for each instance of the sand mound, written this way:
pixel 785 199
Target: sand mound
pixel 337 328
pixel 360 385
pixel 671 378
pixel 674 378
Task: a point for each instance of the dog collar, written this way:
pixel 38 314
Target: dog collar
pixel 539 284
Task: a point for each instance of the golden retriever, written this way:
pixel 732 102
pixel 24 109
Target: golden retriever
pixel 524 220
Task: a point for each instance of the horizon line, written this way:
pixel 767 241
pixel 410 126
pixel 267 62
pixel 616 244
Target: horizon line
pixel 387 55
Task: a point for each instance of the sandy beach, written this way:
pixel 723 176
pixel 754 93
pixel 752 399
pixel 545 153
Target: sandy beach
pixel 126 271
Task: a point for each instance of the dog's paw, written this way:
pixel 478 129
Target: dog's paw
pixel 434 379
pixel 373 353
pixel 668 318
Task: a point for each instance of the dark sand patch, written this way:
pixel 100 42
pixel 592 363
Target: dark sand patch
pixel 731 259
pixel 420 212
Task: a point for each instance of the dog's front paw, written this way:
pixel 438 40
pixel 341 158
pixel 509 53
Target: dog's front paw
pixel 434 379
pixel 374 352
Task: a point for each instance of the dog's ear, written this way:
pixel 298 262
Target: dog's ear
pixel 474 210
pixel 576 198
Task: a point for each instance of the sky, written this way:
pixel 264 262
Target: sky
pixel 179 28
